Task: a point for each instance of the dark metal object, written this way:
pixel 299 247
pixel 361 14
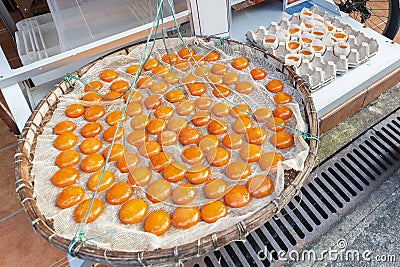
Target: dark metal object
pixel 334 188
pixel 359 6
pixel 7 19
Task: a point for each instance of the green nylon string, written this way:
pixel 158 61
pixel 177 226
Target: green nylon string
pixel 217 45
pixel 112 231
pixel 80 235
pixel 164 42
pixel 69 77
pixel 307 136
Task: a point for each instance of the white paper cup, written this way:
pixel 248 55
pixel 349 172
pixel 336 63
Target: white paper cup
pixel 306 14
pixel 270 41
pixel 293 46
pixel 330 28
pixel 294 31
pixel 307 25
pixel 293 60
pixel 318 46
pixel 306 39
pixel 319 32
pixel 307 53
pixel 283 35
pixel 340 35
pixel 318 20
pixel 329 40
pixel 341 48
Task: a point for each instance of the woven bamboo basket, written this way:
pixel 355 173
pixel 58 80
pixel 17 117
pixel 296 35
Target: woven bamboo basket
pixel 25 182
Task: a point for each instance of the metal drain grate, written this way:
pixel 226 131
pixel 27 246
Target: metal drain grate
pixel 335 187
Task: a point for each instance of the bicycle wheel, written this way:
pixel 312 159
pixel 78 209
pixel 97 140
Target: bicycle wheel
pixel 381 15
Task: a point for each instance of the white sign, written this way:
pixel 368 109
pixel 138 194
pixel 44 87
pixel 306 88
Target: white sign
pixel 211 17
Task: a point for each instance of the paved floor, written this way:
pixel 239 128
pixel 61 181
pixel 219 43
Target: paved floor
pixel 20 245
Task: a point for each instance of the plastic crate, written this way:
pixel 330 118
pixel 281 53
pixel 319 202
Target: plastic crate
pixel 79 22
pixel 29 23
pixel 36 39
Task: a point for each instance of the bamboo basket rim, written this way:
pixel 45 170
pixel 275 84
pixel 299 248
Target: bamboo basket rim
pixel 24 182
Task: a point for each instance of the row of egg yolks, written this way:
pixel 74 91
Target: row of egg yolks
pixel 120 86
pixel 66 176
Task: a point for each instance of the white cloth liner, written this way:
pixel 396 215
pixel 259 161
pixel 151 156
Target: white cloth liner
pixel 132 237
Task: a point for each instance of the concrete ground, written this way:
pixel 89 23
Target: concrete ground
pixel 369 234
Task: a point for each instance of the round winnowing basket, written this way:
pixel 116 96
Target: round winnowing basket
pixel 293 180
